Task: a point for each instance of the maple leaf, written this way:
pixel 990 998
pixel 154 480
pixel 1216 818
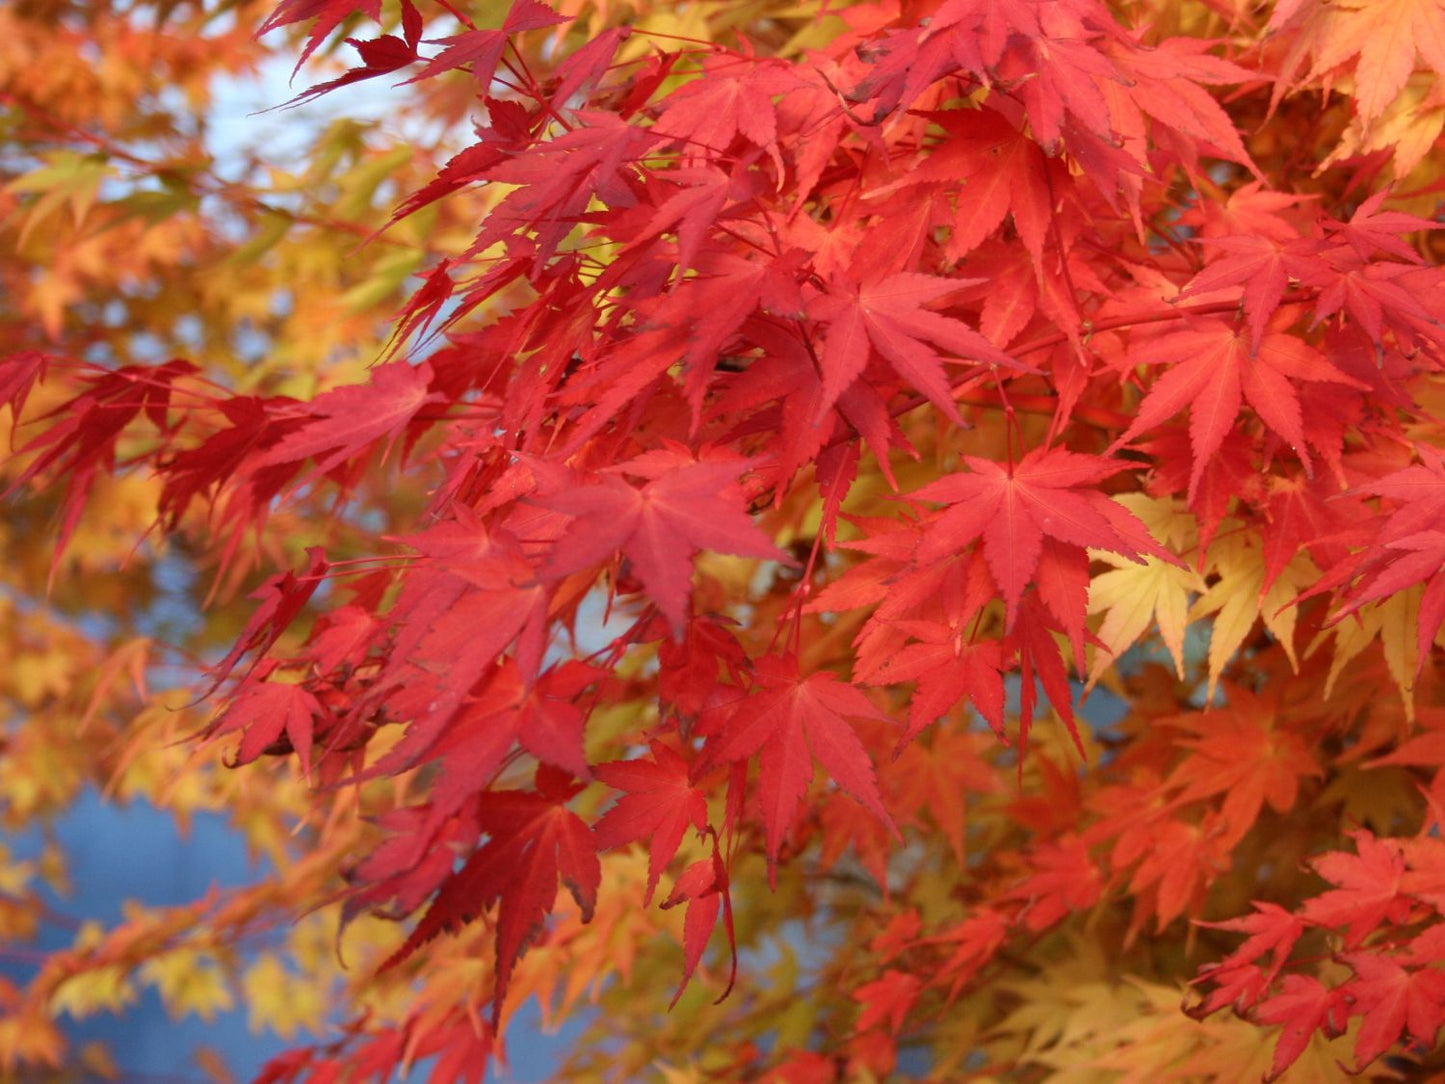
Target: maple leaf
pixel 1062 877
pixel 341 422
pixel 1393 999
pixel 281 599
pixel 1237 598
pixel 467 166
pixel 1385 37
pixel 684 508
pixel 379 56
pixel 1371 230
pixel 1368 891
pixel 947 670
pixel 936 777
pixel 464 1051
pixel 703 886
pixel 886 1000
pixel 690 211
pixel 1136 597
pixel 265 710
pixel 1168 83
pixel 328 15
pixel 1004 174
pixel 1260 265
pixel 733 97
pixel 1013 508
pixel 82 442
pixel 785 716
pixel 1239 983
pixel 1243 753
pixel 975 942
pixel 533 839
pixel 1303 1006
pixel 469 596
pixel 1409 548
pixel 659 805
pixel 556 181
pixel 689 667
pixel 543 718
pixel 482 49
pixel 1133 596
pixel 18 375
pixel 1177 862
pixel 1213 371
pixel 888 315
pixel 1376 295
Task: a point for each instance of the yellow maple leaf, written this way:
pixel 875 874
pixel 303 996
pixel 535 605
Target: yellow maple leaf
pixel 103 989
pixel 282 1001
pixel 189 981
pixel 1132 595
pixel 1237 602
pixel 1393 622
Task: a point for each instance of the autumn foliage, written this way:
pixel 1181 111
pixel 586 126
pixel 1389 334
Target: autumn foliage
pixel 892 540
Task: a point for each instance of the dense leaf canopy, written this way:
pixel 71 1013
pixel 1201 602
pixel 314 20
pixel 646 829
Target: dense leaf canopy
pixel 901 539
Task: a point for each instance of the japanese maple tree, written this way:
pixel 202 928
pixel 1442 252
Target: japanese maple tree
pixel 829 541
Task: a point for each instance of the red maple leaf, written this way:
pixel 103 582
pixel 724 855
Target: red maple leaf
pixel 379 56
pixel 1393 999
pixel 1368 892
pixel 1063 878
pixel 975 942
pixel 686 507
pixel 1014 507
pixel 82 441
pixel 1410 547
pixel 734 97
pixel 1213 371
pixel 1239 982
pixel 18 375
pixel 1371 231
pixel 482 49
pixel 328 15
pixel 703 886
pixel 265 710
pixel 948 668
pixel 659 805
pixel 1375 294
pixel 544 718
pixel 1005 172
pixel 342 422
pixel 888 315
pixel 1241 753
pixel 785 716
pixel 886 1000
pixel 532 840
pixel 1303 1006
pixel 281 599
pixel 1260 265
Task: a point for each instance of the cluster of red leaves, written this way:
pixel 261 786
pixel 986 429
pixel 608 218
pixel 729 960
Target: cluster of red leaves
pixel 1385 907
pixel 737 286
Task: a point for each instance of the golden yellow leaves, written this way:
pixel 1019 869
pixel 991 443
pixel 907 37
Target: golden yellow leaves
pixel 100 989
pixel 68 181
pixel 1229 589
pixel 1237 599
pixel 1392 621
pixel 1084 1023
pixel 1133 596
pixel 281 1000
